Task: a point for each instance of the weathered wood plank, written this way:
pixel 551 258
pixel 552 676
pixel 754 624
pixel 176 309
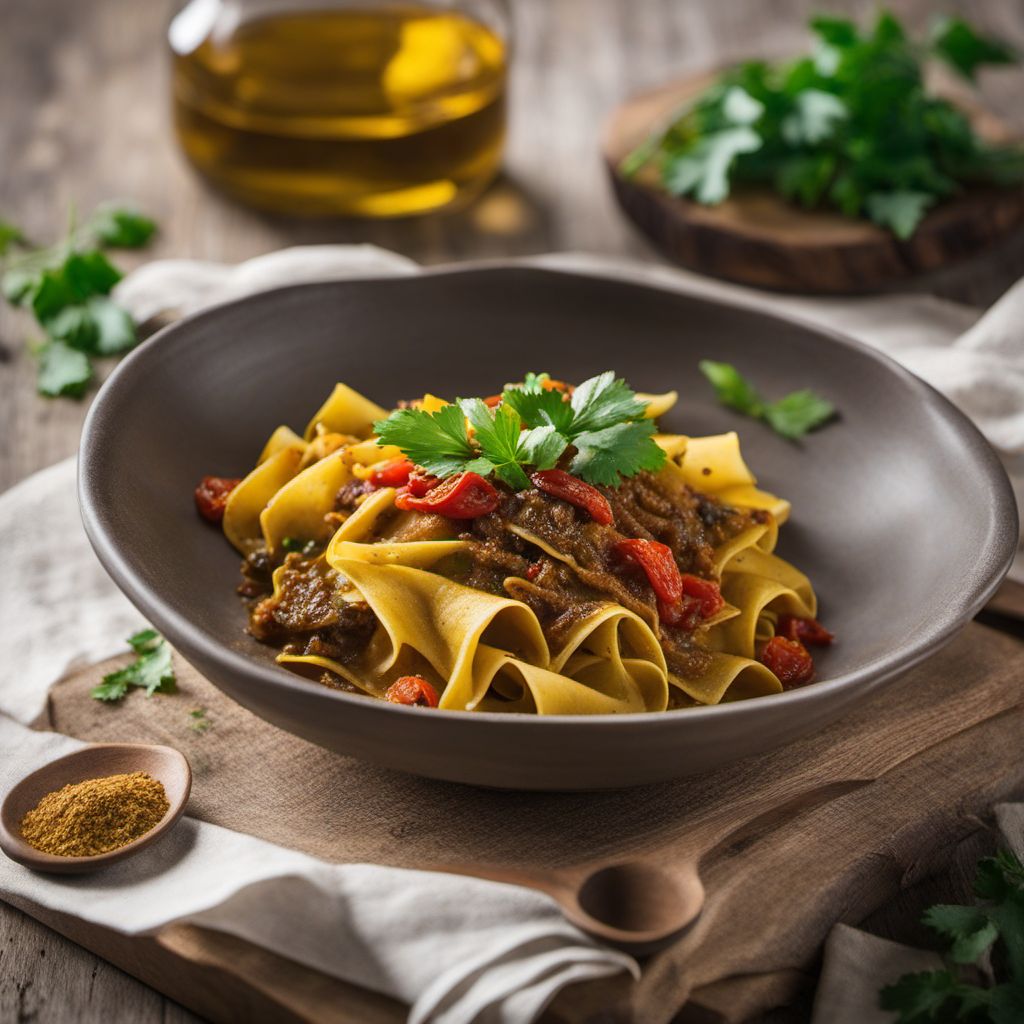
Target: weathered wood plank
pixel 83 117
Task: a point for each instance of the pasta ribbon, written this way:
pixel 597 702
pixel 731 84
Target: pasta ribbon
pixel 484 647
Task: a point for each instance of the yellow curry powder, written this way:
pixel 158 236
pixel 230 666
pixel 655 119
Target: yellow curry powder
pixel 95 816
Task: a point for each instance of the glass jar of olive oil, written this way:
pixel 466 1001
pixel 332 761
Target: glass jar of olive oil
pixel 373 109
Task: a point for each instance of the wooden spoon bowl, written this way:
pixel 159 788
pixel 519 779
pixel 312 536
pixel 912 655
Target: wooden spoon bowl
pixel 166 765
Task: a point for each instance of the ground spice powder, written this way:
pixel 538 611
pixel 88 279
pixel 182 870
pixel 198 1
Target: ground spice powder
pixel 95 816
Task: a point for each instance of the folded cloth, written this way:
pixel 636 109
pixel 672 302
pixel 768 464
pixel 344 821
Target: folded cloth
pixel 457 949
pixel 858 965
pixel 975 360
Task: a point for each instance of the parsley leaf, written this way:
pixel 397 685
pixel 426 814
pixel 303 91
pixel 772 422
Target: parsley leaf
pixel 796 414
pixel 541 447
pixel 732 389
pixel 603 401
pixel 9 236
pixel 922 996
pixel 151 671
pixel 969 928
pixel 121 227
pixel 144 641
pixel 814 118
pixel 63 371
pixel 540 408
pixel 497 434
pixel 506 449
pixel 200 721
pixel 990 935
pixel 605 456
pixel 437 441
pixel 900 211
pixel 965 50
pixel 703 170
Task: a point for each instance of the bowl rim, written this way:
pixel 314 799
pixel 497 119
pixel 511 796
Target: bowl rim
pixel 993 563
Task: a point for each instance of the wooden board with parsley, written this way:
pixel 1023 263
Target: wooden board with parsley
pixel 819 173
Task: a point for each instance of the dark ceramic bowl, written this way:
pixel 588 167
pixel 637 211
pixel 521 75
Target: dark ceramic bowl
pixel 902 515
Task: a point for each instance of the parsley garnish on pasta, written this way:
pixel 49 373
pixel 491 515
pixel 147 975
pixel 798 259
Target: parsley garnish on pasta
pixel 600 430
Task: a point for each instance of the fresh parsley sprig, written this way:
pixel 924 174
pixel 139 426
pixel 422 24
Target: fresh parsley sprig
pixel 792 416
pixel 850 126
pixel 152 669
pixel 984 980
pixel 67 288
pixel 601 427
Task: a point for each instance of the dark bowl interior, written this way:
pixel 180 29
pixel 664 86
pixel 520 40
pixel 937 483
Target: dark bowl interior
pixel 902 515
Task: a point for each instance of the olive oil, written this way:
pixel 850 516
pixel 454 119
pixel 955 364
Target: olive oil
pixel 376 112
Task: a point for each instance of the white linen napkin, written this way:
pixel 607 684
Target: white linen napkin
pixel 497 953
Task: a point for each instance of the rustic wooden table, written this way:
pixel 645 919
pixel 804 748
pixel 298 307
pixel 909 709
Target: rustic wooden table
pixel 84 118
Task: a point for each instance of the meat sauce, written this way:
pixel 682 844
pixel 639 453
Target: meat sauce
pixel 309 614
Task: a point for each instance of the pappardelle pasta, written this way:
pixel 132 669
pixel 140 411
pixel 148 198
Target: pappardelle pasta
pixel 545 550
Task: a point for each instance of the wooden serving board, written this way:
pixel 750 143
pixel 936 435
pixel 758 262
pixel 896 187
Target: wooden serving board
pixel 855 813
pixel 757 238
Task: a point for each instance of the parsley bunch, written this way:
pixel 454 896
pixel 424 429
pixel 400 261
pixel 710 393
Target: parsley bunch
pixel 984 983
pixel 152 669
pixel 533 426
pixel 67 288
pixel 849 127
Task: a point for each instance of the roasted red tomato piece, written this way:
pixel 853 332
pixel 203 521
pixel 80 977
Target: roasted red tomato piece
pixel 789 660
pixel 391 472
pixel 419 483
pixel 465 496
pixel 706 592
pixel 412 690
pixel 572 489
pixel 807 631
pixel 659 566
pixel 212 495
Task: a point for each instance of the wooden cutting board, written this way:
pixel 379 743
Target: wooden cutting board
pixel 827 829
pixel 757 238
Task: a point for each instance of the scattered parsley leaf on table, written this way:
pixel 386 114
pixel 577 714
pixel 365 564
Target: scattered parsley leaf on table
pixel 850 126
pixel 63 371
pixel 965 50
pixel 199 720
pixel 67 288
pixel 121 227
pixel 10 236
pixel 984 983
pixel 531 429
pixel 152 669
pixel 796 414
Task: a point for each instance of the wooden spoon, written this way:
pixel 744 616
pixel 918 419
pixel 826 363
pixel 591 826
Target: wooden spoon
pixel 166 765
pixel 646 901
